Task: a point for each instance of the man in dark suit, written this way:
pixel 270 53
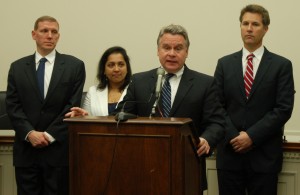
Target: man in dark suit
pixel 193 94
pixel 40 153
pixel 258 96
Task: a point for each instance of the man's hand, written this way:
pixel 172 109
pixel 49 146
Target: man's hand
pixel 76 111
pixel 38 139
pixel 203 147
pixel 241 143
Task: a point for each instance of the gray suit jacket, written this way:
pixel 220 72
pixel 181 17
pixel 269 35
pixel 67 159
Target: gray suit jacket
pixel 262 116
pixel 29 111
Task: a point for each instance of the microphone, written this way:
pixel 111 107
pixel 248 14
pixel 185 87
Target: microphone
pixel 124 116
pixel 160 73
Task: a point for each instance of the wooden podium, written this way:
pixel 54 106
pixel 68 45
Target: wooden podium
pixel 141 156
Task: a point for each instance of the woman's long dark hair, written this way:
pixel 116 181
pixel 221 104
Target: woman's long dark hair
pixel 103 82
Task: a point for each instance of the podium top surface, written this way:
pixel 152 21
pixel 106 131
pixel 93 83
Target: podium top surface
pixel 142 120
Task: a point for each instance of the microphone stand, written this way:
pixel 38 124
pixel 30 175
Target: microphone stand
pixel 160 74
pixel 154 106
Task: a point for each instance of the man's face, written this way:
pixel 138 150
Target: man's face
pixel 252 31
pixel 46 36
pixel 172 52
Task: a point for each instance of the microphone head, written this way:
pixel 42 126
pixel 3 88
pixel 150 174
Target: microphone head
pixel 123 116
pixel 160 71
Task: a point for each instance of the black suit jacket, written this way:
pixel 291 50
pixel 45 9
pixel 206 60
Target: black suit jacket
pixel 196 98
pixel 29 111
pixel 262 116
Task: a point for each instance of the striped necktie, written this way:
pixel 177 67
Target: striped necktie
pixel 166 95
pixel 248 77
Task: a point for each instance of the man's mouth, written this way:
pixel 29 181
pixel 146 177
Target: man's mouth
pixel 171 61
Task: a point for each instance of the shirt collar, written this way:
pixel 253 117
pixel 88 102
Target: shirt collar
pixel 50 57
pixel 178 73
pixel 258 53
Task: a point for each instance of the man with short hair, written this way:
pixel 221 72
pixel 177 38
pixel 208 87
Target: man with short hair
pixel 41 88
pixel 257 92
pixel 192 94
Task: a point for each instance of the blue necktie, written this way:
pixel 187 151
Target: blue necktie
pixel 41 74
pixel 166 96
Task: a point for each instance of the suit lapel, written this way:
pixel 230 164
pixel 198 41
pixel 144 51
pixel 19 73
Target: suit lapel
pixel 57 73
pixel 151 84
pixel 149 92
pixel 239 72
pixel 30 71
pixel 152 81
pixel 262 69
pixel 185 84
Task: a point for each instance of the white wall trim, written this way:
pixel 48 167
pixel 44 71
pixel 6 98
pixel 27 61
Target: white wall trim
pixel 292 135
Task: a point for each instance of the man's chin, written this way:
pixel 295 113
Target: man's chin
pixel 49 48
pixel 172 67
pixel 249 41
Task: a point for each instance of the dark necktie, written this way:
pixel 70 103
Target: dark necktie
pixel 166 96
pixel 41 74
pixel 248 77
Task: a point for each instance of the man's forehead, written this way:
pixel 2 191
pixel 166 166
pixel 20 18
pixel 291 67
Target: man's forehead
pixel 174 40
pixel 249 16
pixel 167 43
pixel 47 24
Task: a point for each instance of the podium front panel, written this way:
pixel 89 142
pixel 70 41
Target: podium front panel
pixel 132 158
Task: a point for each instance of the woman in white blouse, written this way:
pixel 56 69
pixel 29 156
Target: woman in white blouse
pixel 114 74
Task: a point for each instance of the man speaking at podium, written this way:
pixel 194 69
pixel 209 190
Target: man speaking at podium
pixel 184 93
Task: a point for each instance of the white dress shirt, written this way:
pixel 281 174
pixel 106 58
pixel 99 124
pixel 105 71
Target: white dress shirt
pixel 256 59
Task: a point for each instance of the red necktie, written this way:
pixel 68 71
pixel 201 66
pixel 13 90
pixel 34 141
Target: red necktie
pixel 248 77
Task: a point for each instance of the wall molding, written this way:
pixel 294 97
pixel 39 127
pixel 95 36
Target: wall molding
pixel 292 135
pixel 295 156
pixel 6 148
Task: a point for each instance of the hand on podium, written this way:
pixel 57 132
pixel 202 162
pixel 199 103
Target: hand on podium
pixel 76 111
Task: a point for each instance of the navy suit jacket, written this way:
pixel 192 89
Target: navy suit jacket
pixel 262 116
pixel 29 111
pixel 196 98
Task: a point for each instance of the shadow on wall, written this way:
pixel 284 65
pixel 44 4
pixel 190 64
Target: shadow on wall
pixel 4 120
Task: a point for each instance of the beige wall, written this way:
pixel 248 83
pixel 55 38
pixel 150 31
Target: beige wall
pixel 90 27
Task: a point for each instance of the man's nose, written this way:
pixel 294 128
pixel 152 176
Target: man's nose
pixel 172 52
pixel 49 34
pixel 250 27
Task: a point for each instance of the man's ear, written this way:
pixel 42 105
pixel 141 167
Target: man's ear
pixel 33 33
